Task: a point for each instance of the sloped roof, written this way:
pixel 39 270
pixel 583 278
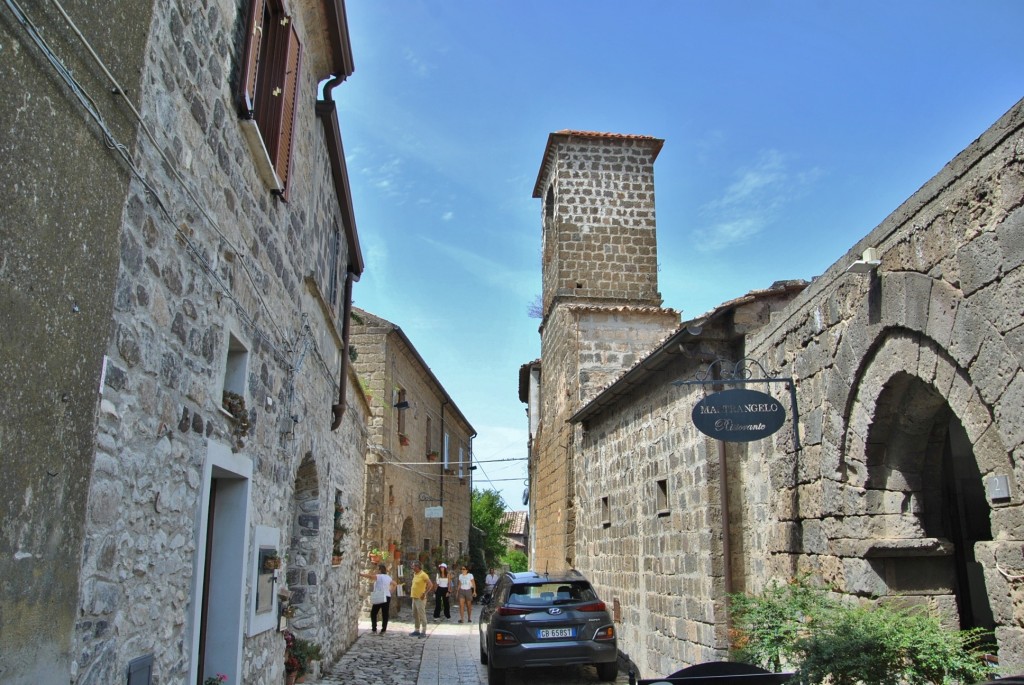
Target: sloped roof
pixel 518 522
pixel 397 330
pixel 665 353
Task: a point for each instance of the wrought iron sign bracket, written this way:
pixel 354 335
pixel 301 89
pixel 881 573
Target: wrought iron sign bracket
pixel 741 373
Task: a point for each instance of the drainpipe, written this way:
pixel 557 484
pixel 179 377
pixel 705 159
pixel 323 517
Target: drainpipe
pixel 338 409
pixel 440 521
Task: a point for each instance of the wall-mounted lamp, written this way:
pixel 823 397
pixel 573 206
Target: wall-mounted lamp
pixel 868 262
pixel 402 405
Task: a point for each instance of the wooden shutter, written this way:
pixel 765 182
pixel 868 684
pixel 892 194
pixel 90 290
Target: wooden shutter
pixel 289 110
pixel 251 58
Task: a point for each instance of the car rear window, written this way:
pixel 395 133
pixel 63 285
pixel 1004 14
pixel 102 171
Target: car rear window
pixel 550 594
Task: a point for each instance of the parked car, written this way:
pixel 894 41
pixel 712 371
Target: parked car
pixel 537 619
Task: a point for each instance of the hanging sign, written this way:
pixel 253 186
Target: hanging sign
pixel 433 513
pixel 738 415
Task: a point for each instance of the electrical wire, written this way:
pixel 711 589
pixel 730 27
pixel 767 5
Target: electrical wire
pixel 169 165
pixel 281 347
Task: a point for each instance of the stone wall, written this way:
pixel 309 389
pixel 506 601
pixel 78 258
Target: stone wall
pixel 219 285
pixel 908 378
pixel 936 332
pixel 402 478
pixel 58 265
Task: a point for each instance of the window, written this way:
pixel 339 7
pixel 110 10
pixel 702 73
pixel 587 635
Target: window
pixel 446 451
pixel 269 86
pixel 663 498
pixel 235 366
pixel 401 403
pixel 462 472
pixel 233 395
pixel 606 513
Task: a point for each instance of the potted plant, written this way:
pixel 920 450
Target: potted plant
pixel 378 555
pixel 432 455
pixel 272 562
pixel 234 404
pixel 215 679
pixel 298 653
pixel 403 439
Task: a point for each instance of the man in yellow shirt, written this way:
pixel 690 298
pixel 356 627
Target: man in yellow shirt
pixel 420 587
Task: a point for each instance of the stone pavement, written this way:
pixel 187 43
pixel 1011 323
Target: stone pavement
pixel 449 655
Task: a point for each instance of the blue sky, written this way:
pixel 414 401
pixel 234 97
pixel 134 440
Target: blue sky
pixel 791 128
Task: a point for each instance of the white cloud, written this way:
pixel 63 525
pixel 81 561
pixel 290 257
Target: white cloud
pixel 752 202
pixel 448 216
pixel 490 272
pixel 419 67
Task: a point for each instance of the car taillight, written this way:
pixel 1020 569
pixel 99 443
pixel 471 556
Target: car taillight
pixel 593 606
pixel 503 639
pixel 605 633
pixel 510 611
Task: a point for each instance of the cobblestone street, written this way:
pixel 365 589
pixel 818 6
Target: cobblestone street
pixel 449 655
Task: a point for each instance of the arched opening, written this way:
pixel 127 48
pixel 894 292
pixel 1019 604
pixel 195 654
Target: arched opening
pixel 305 554
pixel 926 496
pixel 409 543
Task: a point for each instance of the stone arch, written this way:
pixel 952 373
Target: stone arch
pixel 305 552
pixel 409 542
pixel 918 440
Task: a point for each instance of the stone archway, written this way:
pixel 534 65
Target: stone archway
pixel 304 552
pixel 409 544
pixel 910 449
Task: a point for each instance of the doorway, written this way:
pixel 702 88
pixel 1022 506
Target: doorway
pixel 920 457
pixel 219 587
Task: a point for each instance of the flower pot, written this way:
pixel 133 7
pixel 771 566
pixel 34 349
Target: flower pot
pixel 290 678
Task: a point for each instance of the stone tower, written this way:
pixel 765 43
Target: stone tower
pixel 601 306
pixel 599 226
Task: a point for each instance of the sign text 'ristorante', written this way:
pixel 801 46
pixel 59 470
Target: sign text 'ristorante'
pixel 738 415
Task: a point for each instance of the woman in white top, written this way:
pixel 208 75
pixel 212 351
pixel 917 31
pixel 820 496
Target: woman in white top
pixel 441 592
pixel 467 591
pixel 383 586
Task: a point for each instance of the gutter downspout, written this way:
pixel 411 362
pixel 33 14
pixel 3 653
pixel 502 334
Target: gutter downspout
pixel 351 275
pixel 338 409
pixel 440 521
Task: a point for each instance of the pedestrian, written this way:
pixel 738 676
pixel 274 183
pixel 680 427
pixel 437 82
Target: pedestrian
pixel 490 580
pixel 380 598
pixel 441 592
pixel 467 591
pixel 421 585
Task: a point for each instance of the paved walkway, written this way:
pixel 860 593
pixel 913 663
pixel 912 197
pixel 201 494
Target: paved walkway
pixel 449 655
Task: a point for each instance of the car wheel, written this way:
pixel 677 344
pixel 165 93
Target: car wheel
pixel 483 656
pixel 607 671
pixel 495 676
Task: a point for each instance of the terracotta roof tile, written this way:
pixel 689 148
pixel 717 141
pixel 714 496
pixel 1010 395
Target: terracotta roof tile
pixel 566 134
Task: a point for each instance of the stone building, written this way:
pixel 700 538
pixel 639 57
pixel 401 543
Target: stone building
pixel 518 536
pixel 898 476
pixel 177 407
pixel 420 451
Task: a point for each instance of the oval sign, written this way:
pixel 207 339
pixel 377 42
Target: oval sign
pixel 738 415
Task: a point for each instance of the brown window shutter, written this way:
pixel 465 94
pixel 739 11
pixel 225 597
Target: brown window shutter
pixel 251 58
pixel 289 111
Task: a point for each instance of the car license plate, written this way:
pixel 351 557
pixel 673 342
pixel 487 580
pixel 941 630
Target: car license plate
pixel 547 633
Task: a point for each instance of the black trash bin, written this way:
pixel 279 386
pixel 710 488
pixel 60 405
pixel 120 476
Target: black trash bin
pixel 717 673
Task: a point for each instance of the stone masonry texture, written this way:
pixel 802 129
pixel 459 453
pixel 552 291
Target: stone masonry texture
pixel 909 382
pixel 153 282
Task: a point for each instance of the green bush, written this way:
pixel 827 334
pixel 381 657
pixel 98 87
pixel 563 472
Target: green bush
pixel 515 560
pixel 798 626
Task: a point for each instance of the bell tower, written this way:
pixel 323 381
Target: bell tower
pixel 599 236
pixel 601 307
